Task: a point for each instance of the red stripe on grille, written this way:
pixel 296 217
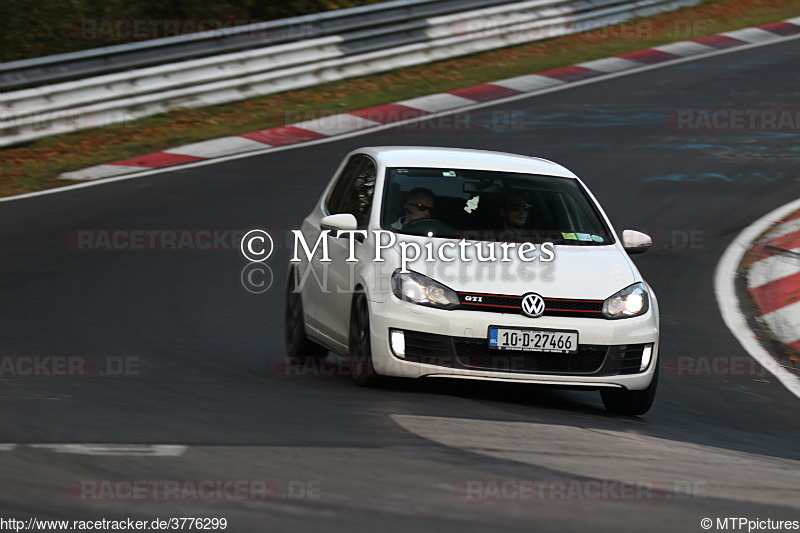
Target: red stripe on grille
pixel 573 310
pixel 568 300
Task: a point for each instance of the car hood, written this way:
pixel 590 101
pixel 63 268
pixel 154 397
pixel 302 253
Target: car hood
pixel 579 272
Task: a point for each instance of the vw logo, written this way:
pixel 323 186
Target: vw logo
pixel 532 305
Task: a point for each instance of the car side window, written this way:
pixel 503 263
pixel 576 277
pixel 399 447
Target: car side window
pixel 354 189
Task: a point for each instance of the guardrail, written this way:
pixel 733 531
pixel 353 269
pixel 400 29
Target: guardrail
pixel 404 39
pixel 106 60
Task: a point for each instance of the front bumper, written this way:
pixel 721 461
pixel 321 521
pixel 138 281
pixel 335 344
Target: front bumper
pixel 454 344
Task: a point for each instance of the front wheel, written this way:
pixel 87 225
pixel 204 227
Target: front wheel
pixel 362 369
pixel 631 402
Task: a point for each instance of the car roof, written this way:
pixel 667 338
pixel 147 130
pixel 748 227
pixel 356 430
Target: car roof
pixel 434 157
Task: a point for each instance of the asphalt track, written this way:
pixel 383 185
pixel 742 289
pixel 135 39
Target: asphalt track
pixel 394 458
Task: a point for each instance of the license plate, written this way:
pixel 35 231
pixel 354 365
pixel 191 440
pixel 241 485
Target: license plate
pixel 533 340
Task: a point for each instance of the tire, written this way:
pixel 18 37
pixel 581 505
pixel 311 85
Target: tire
pixel 631 402
pixel 362 369
pixel 298 345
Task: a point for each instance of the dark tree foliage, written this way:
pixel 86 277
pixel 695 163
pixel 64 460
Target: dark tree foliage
pixel 33 28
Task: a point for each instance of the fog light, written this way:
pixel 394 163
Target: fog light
pixel 398 340
pixel 647 354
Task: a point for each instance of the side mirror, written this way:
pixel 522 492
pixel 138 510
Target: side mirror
pixel 342 221
pixel 635 242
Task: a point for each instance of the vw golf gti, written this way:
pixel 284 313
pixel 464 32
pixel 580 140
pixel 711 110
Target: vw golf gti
pixel 449 263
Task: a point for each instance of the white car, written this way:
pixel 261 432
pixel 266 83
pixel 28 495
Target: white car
pixel 449 263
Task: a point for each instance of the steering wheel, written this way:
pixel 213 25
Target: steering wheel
pixel 424 226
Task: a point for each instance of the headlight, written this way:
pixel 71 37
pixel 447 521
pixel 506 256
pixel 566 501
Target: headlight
pixel 628 302
pixel 422 290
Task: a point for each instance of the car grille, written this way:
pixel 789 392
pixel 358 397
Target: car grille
pixel 475 354
pixel 500 303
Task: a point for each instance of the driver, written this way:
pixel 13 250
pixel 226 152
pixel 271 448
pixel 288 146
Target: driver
pixel 418 204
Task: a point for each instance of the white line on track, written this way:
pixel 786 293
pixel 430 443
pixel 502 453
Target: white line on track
pixel 148 450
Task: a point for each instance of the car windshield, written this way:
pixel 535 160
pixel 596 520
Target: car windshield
pixel 490 206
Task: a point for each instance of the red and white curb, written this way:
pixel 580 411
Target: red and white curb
pixel 378 116
pixel 773 279
pixel 769 246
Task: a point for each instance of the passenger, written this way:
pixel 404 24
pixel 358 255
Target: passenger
pixel 515 212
